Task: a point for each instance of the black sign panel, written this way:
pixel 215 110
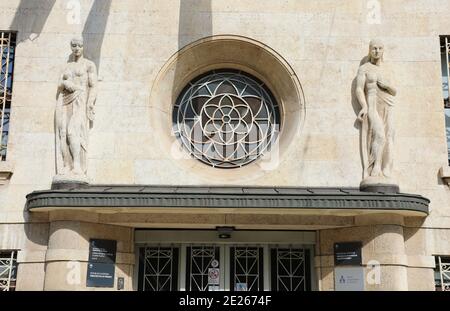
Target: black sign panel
pixel 102 251
pixel 100 275
pixel 101 265
pixel 347 254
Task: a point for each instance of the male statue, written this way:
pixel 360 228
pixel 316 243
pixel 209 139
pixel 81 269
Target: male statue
pixel 376 97
pixel 76 95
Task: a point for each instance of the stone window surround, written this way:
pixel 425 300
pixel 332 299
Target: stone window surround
pixel 231 52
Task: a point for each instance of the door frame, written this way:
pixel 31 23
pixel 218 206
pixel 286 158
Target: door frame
pixel 265 239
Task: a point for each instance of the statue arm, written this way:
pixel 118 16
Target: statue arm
pixel 391 90
pixel 360 95
pixel 61 86
pixel 92 83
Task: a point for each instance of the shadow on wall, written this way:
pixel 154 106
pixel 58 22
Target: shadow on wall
pixel 94 30
pixel 195 22
pixel 31 17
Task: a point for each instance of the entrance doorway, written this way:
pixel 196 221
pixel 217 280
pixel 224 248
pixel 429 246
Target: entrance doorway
pixel 231 264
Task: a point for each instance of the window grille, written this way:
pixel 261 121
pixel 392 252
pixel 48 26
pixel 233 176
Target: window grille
pixel 247 270
pixel 445 65
pixel 199 260
pixel 159 266
pixel 290 269
pixel 226 118
pixel 8 270
pixel 442 273
pixel 7 51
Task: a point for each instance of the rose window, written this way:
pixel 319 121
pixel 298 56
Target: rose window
pixel 226 119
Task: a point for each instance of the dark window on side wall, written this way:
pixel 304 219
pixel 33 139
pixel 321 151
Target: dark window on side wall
pixel 445 65
pixel 7 51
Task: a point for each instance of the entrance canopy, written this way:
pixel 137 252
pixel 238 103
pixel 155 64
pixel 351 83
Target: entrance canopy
pixel 135 198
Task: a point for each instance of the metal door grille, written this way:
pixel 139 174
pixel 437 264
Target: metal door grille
pixel 160 269
pixel 290 269
pixel 7 51
pixel 199 261
pixel 8 271
pixel 246 266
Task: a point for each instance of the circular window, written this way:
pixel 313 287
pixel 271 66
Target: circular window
pixel 226 118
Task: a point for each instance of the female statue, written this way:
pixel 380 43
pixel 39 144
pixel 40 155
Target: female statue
pixel 376 98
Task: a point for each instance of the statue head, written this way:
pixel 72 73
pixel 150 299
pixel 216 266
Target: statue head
pixel 76 44
pixel 376 51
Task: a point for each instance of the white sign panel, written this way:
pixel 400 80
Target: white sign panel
pixel 213 276
pixel 349 278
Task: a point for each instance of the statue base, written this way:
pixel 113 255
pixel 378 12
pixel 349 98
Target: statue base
pixel 379 184
pixel 69 181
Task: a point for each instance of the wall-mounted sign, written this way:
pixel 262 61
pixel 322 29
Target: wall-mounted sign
pixel 215 263
pixel 213 276
pixel 101 265
pixel 102 251
pixel 349 279
pixel 347 254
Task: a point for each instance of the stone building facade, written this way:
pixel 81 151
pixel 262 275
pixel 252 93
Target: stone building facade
pixel 296 198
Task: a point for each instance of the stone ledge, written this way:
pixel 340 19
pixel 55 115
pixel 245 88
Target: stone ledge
pixel 421 261
pixel 83 256
pixel 327 261
pixel 444 173
pixel 31 256
pixel 6 171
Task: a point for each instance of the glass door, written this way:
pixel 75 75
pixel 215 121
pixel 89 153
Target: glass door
pixel 203 269
pixel 290 269
pixel 246 268
pixel 159 269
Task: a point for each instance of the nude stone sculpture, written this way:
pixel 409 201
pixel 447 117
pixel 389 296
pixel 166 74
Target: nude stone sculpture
pixel 76 95
pixel 377 99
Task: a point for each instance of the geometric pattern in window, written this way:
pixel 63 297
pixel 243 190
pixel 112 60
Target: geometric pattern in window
pixel 247 269
pixel 226 118
pixel 199 261
pixel 289 269
pixel 159 269
pixel 443 273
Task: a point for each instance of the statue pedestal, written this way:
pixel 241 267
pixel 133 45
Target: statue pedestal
pixel 379 184
pixel 69 181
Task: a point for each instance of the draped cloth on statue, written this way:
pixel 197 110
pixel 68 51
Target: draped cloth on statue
pixel 78 122
pixel 381 103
